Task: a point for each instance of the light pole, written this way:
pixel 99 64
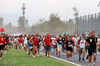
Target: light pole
pixel 23 12
pixel 23 8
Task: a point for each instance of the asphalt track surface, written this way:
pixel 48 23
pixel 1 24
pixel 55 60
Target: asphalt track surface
pixel 75 59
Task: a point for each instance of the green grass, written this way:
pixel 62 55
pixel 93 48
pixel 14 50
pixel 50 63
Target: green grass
pixel 19 58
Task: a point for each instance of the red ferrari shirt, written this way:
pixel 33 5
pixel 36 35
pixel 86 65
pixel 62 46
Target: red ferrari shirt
pixel 66 39
pixel 2 40
pixel 20 40
pixel 71 39
pixel 47 41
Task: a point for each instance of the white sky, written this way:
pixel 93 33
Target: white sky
pixel 42 8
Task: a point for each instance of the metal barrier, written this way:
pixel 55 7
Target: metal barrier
pixel 84 24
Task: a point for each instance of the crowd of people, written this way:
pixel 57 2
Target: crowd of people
pixel 60 45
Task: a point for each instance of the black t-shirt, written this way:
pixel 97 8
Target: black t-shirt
pixel 69 46
pixel 59 41
pixel 63 39
pixel 92 41
pixel 28 40
pixel 6 38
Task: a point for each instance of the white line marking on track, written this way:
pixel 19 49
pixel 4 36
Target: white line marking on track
pixel 63 60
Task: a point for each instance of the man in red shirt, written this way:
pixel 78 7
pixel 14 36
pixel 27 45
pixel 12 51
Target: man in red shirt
pixel 20 42
pixel 47 43
pixel 35 43
pixel 2 45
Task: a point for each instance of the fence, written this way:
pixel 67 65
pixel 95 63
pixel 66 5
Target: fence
pixel 84 24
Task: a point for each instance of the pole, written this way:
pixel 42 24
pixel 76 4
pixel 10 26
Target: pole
pixel 23 8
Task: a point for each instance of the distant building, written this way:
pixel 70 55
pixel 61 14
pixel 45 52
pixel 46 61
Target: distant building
pixel 1 22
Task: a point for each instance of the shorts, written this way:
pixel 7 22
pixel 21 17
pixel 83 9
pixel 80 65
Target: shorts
pixel 25 45
pixel 69 51
pixel 15 43
pixel 63 46
pixel 92 51
pixel 55 46
pixel 81 50
pixel 59 46
pixel 20 44
pixel 38 47
pixel 2 47
pixel 48 48
pixel 9 44
pixel 34 48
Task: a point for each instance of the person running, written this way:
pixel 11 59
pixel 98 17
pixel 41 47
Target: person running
pixel 15 42
pixel 6 38
pixel 98 47
pixel 53 41
pixel 25 43
pixel 56 44
pixel 12 41
pixel 59 45
pixel 63 41
pixel 30 43
pixel 92 45
pixel 69 47
pixel 39 44
pixel 81 45
pixel 86 48
pixel 47 43
pixel 35 44
pixel 9 41
pixel 20 42
pixel 2 45
pixel 75 49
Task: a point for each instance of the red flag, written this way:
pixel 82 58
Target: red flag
pixel 1 29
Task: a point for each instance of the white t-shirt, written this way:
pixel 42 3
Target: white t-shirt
pixel 82 43
pixel 75 39
pixel 25 40
pixel 98 41
pixel 15 40
pixel 53 39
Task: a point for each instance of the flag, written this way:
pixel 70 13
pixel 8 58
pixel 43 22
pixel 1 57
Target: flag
pixel 1 29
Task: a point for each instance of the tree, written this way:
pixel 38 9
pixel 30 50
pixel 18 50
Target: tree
pixel 21 24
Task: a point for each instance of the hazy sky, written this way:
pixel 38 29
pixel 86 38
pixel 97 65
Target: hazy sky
pixel 42 8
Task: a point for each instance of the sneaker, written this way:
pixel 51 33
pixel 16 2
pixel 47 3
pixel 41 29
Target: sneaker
pixel 59 56
pixel 38 55
pixel 79 58
pixel 45 54
pixel 48 57
pixel 4 52
pixel 56 53
pixel 93 64
pixel 98 53
pixel 89 65
pixel 33 56
pixel 83 59
pixel 0 58
pixel 28 53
